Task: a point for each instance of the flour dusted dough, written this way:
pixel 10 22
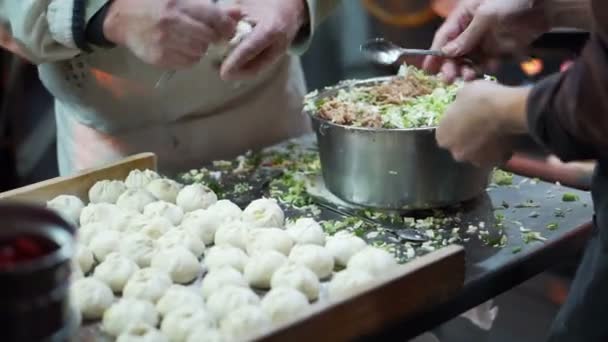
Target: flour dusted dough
pixel 261 266
pixel 245 322
pixel 135 199
pixel 347 283
pixel 115 271
pixel 106 191
pixel 100 212
pixel 375 261
pixel 224 255
pixel 170 211
pixel 140 179
pixel 164 189
pixel 343 246
pixel 233 234
pixel 226 209
pixel 263 239
pixel 283 304
pixel 195 196
pixel 85 258
pixel 178 296
pixel 86 233
pixel 264 213
pixel 92 297
pixel 179 323
pixel 220 277
pixel 128 311
pixel 179 262
pixel 230 298
pixel 138 247
pixel 153 227
pixel 140 332
pixel 315 257
pixel 179 237
pixel 297 277
pixel 204 223
pixel 104 243
pixel 147 284
pixel 67 206
pixel 306 231
pixel 219 52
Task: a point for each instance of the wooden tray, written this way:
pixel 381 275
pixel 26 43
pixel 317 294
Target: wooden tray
pixel 411 288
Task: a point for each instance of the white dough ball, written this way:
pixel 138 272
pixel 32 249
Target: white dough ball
pixel 347 283
pixel 138 247
pixel 86 233
pixel 179 323
pixel 92 297
pixel 178 296
pixel 67 206
pixel 261 266
pixel 264 213
pixel 179 262
pixel 164 189
pixel 297 277
pixel 195 196
pixel 219 278
pixel 115 271
pixel 170 211
pixel 153 227
pixel 283 304
pixel 244 323
pixel 218 52
pixel 147 284
pixel 179 237
pixel 100 212
pixel 230 298
pixel 128 311
pixel 233 233
pixel 106 191
pixel 85 258
pixel 140 179
pixel 140 332
pixel 375 261
pixel 343 246
pixel 226 209
pixel 306 231
pixel 76 272
pixel 263 239
pixel 224 255
pixel 315 257
pixel 104 243
pixel 204 223
pixel 205 334
pixel 135 199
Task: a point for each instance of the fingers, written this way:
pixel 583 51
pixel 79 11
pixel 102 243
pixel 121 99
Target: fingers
pixel 450 29
pixel 449 71
pixel 472 36
pixel 260 39
pixel 213 16
pixel 253 67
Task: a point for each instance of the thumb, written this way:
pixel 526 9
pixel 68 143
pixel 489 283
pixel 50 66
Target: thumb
pixel 470 38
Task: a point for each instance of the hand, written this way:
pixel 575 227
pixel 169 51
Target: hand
pixel 486 28
pixel 480 125
pixel 169 33
pixel 276 23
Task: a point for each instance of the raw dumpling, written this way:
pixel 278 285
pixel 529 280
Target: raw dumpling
pixel 76 272
pixel 219 278
pixel 233 234
pixel 264 213
pixel 195 196
pixel 226 209
pixel 377 262
pixel 86 233
pixel 179 323
pixel 170 211
pixel 347 283
pixel 180 263
pixel 315 257
pixel 306 231
pixel 230 298
pixel 100 212
pixel 263 239
pixel 140 332
pixel 106 191
pixel 178 296
pixel 205 334
pixel 245 323
pixel 67 206
pixel 140 179
pixel 283 304
pixel 104 243
pixel 204 223
pixel 343 246
pixel 147 284
pixel 128 311
pixel 138 247
pixel 115 271
pixel 164 189
pixel 219 52
pixel 179 237
pixel 92 297
pixel 85 258
pixel 297 277
pixel 261 266
pixel 223 255
pixel 135 199
pixel 153 227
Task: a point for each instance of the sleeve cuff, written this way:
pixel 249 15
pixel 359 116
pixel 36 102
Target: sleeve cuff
pixel 67 20
pixel 302 40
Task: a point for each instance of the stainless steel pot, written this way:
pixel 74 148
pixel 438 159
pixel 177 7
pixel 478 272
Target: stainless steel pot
pixel 392 169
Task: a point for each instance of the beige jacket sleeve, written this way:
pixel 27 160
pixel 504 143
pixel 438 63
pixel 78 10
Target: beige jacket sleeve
pixel 43 28
pixel 318 10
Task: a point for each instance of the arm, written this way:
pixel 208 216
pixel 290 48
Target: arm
pixel 317 11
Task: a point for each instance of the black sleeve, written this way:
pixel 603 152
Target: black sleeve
pixel 94 29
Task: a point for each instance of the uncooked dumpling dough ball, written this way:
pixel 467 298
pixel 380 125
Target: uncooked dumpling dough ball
pixel 153 227
pixel 138 247
pixel 179 237
pixel 170 211
pixel 164 189
pixel 99 212
pixel 178 296
pixel 86 233
pixel 233 234
pixel 140 179
pixel 106 191
pixel 115 271
pixel 128 311
pixel 135 199
pixel 375 261
pixel 104 243
pixel 179 323
pixel 76 272
pixel 343 246
pixel 306 231
pixel 147 284
pixel 140 332
pixel 195 196
pixel 263 239
pixel 283 304
pixel 261 266
pixel 223 255
pixel 179 262
pixel 200 334
pixel 218 52
pixel 219 278
pixel 85 258
pixel 315 257
pixel 264 213
pixel 67 206
pixel 92 297
pixel 297 277
pixel 226 209
pixel 230 298
pixel 348 282
pixel 245 322
pixel 204 223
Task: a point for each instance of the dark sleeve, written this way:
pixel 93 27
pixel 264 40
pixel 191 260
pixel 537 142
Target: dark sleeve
pixel 568 112
pixel 94 29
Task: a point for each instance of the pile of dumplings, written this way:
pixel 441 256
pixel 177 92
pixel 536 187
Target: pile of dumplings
pixel 145 243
